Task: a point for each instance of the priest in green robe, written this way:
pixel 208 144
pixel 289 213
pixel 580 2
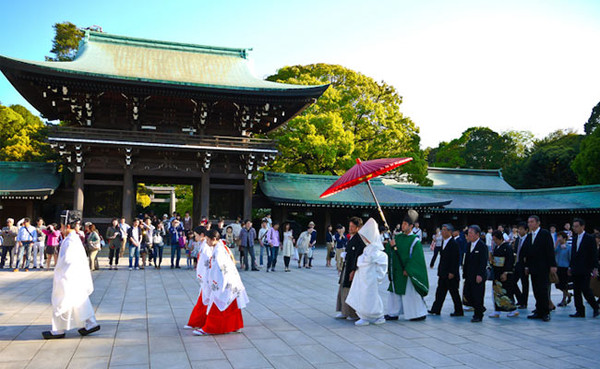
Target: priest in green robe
pixel 407 272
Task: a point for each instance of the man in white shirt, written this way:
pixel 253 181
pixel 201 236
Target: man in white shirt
pixel 25 238
pixel 124 229
pixel 262 238
pixel 418 231
pixel 488 238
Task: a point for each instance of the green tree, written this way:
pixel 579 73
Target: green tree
pixel 594 120
pixel 356 117
pixel 585 165
pixel 66 41
pixel 22 136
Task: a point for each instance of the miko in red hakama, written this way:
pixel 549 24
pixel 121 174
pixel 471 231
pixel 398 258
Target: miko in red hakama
pixel 217 321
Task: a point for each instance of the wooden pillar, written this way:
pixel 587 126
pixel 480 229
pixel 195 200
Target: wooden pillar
pixel 196 212
pixel 247 214
pixel 128 194
pixel 204 196
pixel 78 189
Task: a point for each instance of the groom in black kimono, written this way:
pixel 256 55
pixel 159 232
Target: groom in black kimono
pixel 354 249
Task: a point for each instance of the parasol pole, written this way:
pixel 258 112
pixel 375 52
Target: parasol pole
pixel 377 202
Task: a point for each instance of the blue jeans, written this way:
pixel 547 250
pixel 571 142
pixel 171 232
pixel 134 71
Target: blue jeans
pixel 272 253
pixel 249 250
pixel 24 252
pixel 158 252
pixel 175 249
pixel 134 252
pixel 262 251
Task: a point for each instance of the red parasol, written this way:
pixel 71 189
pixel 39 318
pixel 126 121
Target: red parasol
pixel 363 172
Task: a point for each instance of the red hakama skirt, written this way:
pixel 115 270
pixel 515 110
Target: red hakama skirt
pixel 217 321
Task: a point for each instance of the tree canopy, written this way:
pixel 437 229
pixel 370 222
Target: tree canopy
pixel 356 117
pixel 66 41
pixel 594 120
pixel 22 135
pixel 586 164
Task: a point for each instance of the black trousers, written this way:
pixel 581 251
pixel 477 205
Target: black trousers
pixel 113 253
pixel 581 286
pixel 540 284
pixel 522 295
pixel 286 261
pixel 436 251
pixel 474 293
pixel 444 286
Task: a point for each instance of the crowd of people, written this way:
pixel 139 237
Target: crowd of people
pixel 569 259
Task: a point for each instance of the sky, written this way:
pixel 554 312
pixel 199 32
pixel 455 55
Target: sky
pixel 522 65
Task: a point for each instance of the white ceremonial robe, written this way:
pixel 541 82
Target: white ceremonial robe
pixel 204 256
pixel 411 304
pixel 372 264
pixel 223 283
pixel 72 286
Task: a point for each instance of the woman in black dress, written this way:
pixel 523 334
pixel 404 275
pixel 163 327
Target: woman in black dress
pixel 503 262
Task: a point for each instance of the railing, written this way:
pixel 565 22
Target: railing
pixel 57 133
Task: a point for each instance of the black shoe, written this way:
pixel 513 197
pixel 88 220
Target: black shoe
pixel 255 269
pixel 577 315
pixel 177 267
pixel 433 312
pixel 476 320
pixel 546 318
pixel 457 314
pixel 389 317
pixel 267 270
pixel 172 267
pixel 49 336
pixel 85 332
pixel 419 318
pixel 534 316
pixel 596 312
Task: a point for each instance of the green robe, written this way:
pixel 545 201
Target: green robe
pixel 414 263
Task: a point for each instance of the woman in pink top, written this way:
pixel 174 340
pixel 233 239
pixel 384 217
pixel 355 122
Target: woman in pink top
pixel 52 242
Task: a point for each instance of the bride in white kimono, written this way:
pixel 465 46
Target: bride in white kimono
pixel 72 286
pixel 372 268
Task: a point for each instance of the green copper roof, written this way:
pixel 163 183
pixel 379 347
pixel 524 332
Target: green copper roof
pixel 304 189
pixel 468 179
pixel 27 180
pixel 127 58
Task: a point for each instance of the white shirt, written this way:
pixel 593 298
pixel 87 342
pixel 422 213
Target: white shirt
pixel 534 234
pixel 445 242
pixel 418 232
pixel 488 239
pixel 124 227
pixel 579 238
pixel 473 246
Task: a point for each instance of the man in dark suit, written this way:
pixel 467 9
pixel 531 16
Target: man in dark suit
pixel 448 277
pixel 462 245
pixel 474 272
pixel 354 249
pixel 539 261
pixel 584 263
pixel 522 294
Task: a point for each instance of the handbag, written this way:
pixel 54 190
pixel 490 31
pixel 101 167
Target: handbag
pixel 595 285
pixel 295 257
pixel 553 276
pixel 181 241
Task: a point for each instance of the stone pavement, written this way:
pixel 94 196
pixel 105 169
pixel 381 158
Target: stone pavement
pixel 288 324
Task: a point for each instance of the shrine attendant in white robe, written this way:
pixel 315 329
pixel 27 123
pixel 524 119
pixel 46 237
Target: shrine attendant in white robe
pixel 223 292
pixel 372 268
pixel 198 316
pixel 72 286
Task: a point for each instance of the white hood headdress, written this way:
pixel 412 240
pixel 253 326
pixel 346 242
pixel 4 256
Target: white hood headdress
pixel 370 234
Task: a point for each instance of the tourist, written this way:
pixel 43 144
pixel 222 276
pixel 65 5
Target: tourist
pixel 553 233
pixel 9 235
pixel 166 224
pixel 187 223
pixel 71 306
pixel 523 293
pixel 288 245
pixel 113 235
pixel 584 262
pixel 221 227
pixel 227 292
pixel 228 238
pixel 504 235
pixel 371 265
pixel 436 246
pixel 539 262
pixel 25 238
pixel 273 246
pixel 562 253
pixel 158 244
pixel 474 272
pixel 340 247
pixel 503 261
pixel 417 231
pixel 198 315
pixel 489 242
pixel 407 273
pixel 302 246
pixel 177 241
pixel 39 244
pixel 462 246
pixel 329 242
pixel 312 244
pixel 147 241
pixel 569 232
pixel 195 245
pixel 93 245
pixel 52 241
pixel 134 238
pixel 124 229
pixel 354 249
pixel 262 239
pixel 448 273
pixel 247 237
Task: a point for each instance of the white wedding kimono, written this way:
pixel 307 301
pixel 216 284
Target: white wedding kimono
pixel 72 286
pixel 223 284
pixel 372 268
pixel 204 256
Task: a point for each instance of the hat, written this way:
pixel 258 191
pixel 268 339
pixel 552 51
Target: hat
pixel 311 224
pixel 411 217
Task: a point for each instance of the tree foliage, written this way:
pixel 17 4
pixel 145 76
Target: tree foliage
pixel 594 120
pixel 586 164
pixel 356 117
pixel 22 135
pixel 66 42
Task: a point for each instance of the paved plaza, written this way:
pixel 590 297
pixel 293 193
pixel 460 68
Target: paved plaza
pixel 288 324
